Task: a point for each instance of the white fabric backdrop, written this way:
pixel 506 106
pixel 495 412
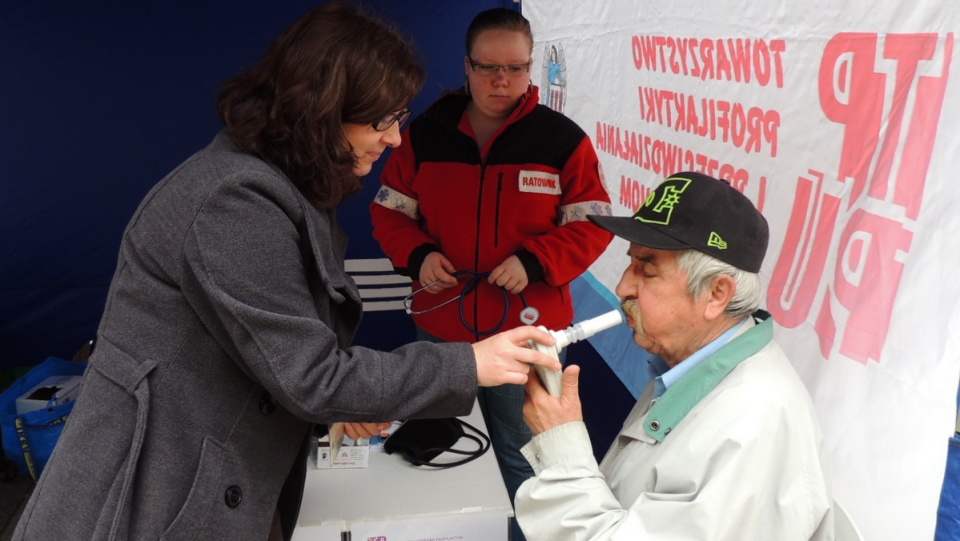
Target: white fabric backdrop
pixel 840 121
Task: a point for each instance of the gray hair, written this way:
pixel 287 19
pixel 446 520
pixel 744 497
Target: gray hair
pixel 702 269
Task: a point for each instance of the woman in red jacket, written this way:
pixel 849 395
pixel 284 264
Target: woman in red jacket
pixel 488 201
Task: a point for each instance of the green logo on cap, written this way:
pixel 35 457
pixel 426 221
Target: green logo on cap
pixel 716 241
pixel 658 208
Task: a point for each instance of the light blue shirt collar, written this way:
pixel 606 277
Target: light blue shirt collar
pixel 664 377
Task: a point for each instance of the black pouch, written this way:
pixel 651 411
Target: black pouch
pixel 422 440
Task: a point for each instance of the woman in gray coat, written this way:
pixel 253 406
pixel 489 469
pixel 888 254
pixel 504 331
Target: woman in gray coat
pixel 227 329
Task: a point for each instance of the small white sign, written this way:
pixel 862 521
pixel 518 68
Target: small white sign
pixel 539 182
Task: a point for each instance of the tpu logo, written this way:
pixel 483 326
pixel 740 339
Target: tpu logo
pixel 886 91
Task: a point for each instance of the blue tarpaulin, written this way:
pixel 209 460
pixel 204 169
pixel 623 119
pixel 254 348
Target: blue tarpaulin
pixel 948 514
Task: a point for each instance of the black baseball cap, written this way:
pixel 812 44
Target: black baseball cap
pixel 692 210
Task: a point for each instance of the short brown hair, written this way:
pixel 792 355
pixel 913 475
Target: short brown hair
pixel 334 65
pixel 498 19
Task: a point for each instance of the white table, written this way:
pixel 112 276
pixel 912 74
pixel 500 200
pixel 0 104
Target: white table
pixel 393 500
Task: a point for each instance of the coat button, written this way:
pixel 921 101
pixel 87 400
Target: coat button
pixel 655 425
pixel 232 496
pixel 267 404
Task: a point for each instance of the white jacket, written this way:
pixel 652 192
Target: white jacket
pixel 732 451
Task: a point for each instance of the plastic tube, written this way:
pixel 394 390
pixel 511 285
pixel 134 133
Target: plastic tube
pixel 574 333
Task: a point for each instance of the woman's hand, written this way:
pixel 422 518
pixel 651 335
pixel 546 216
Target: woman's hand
pixel 435 267
pixel 510 275
pixel 365 431
pixel 506 357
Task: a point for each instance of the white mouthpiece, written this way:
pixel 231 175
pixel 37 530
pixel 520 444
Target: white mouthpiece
pixel 588 328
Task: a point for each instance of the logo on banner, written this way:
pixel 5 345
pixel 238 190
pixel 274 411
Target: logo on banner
pixel 887 92
pixel 539 182
pixel 553 82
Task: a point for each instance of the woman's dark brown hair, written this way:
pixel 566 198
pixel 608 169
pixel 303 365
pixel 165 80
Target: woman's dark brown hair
pixel 334 65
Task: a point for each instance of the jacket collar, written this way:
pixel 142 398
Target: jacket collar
pixel 667 412
pixel 449 108
pixel 325 242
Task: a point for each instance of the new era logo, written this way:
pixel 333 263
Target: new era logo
pixel 716 241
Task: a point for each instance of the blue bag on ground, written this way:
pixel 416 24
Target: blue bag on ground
pixel 29 438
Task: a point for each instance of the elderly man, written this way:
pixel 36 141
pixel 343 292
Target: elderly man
pixel 724 443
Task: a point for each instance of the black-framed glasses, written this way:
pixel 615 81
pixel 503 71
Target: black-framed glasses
pixel 399 117
pixel 492 69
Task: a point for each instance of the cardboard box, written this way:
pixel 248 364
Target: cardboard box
pixel 348 455
pixel 337 450
pixel 53 391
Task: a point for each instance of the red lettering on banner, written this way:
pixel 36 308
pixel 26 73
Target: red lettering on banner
pixel 750 128
pixel 633 193
pixel 706 57
pixel 740 59
pixel 763 62
pixel 919 74
pixel 866 273
pixel 852 94
pixel 663 159
pixel 867 277
pixel 884 158
pixel 733 59
pixel 644 53
pixel 694 63
pixel 796 276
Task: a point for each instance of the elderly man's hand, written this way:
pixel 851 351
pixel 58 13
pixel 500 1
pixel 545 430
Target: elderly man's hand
pixel 542 412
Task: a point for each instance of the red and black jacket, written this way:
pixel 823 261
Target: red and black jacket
pixel 527 192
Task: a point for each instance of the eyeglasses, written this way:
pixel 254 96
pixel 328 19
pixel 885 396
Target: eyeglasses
pixel 399 117
pixel 511 70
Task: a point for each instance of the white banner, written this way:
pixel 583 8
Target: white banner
pixel 840 121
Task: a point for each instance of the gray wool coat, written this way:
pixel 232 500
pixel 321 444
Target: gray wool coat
pixel 225 336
